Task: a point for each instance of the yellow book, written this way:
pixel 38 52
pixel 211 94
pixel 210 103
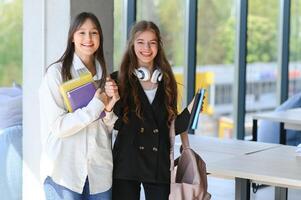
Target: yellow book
pixel 67 87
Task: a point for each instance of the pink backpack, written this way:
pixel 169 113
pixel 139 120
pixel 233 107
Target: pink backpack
pixel 189 179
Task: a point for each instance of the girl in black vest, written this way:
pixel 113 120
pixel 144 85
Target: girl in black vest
pixel 147 106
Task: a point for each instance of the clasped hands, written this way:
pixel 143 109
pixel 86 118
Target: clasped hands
pixel 110 95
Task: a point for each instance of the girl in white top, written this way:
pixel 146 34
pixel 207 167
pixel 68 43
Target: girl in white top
pixel 76 161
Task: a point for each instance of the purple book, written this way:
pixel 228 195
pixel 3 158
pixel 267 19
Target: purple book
pixel 81 96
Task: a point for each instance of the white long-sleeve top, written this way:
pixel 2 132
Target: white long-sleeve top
pixel 77 144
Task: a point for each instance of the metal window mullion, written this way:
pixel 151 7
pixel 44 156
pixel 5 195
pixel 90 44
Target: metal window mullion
pixel 191 47
pixel 191 39
pixel 240 69
pixel 284 22
pixel 131 11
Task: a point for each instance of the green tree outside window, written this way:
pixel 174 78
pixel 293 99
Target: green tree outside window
pixel 10 42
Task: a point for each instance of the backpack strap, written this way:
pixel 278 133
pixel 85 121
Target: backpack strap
pixel 185 145
pixel 185 140
pixel 171 155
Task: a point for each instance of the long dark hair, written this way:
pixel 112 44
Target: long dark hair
pixel 128 81
pixel 67 56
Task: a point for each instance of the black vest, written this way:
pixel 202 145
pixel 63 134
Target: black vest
pixel 141 149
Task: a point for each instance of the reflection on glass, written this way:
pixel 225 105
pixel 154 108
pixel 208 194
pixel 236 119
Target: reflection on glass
pixel 216 32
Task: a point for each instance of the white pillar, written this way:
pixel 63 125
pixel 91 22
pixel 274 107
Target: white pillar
pixel 45 27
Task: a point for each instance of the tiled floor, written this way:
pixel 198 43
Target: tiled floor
pixel 224 189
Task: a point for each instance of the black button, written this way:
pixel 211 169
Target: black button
pixel 141 147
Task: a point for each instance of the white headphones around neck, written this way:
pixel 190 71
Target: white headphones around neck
pixel 143 74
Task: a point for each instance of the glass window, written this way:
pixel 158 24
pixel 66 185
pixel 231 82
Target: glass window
pixel 169 16
pixel 295 49
pixel 262 66
pixel 119 32
pixel 216 32
pixel 11 42
pixel 11 99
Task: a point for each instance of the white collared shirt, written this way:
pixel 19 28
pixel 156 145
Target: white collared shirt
pixel 78 144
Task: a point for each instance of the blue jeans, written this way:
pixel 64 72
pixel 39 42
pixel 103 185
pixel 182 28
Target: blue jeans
pixel 54 191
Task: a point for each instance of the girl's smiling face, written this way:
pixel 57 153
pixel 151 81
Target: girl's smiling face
pixel 146 48
pixel 86 39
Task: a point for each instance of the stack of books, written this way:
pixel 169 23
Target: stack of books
pixel 78 92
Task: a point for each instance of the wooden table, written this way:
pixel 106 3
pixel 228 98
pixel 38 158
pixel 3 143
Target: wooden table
pixel 288 119
pixel 227 146
pixel 271 164
pixel 279 167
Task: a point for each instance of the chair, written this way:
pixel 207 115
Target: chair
pixel 269 131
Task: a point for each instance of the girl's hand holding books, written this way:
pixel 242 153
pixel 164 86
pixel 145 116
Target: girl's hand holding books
pixel 190 106
pixel 195 108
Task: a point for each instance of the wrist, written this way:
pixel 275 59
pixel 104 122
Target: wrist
pixel 108 109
